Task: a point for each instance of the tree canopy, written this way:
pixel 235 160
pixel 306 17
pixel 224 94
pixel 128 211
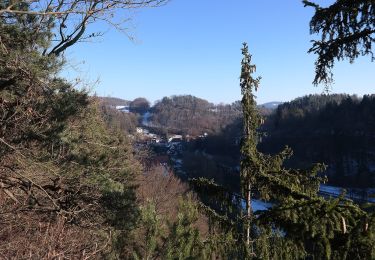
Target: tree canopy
pixel 139 105
pixel 190 115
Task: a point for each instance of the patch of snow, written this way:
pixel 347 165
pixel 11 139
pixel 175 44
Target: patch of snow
pixel 257 205
pixel 260 205
pixel 331 189
pixel 354 194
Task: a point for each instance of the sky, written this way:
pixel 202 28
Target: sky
pixel 194 47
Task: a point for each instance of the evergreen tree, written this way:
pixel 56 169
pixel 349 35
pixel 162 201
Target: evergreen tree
pixel 298 213
pixel 60 167
pixel 301 223
pixel 251 159
pixel 178 239
pixel 183 241
pixel 152 233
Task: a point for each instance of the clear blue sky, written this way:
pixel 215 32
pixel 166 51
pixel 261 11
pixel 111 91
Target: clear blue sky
pixel 193 47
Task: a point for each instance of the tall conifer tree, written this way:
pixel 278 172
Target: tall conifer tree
pixel 301 223
pixel 250 163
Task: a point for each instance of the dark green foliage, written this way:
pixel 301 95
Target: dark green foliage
pixel 220 204
pixel 300 224
pixel 178 239
pixel 309 224
pixel 220 168
pixel 334 129
pixel 59 165
pixel 347 29
pixel 150 221
pixel 35 103
pixel 125 122
pixel 184 240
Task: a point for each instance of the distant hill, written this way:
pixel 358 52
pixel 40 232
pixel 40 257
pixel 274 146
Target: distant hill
pixel 113 101
pixel 271 105
pixel 186 114
pixel 336 129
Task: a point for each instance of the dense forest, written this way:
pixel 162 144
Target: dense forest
pixel 190 115
pixel 335 129
pixel 125 122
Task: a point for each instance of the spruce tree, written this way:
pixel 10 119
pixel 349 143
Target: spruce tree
pixel 301 223
pixel 175 239
pixel 250 161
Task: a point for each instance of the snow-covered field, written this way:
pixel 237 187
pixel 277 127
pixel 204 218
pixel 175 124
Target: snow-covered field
pixel 350 193
pixel 335 191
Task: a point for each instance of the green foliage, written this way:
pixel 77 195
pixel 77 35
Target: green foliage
pixel 184 241
pixel 347 31
pixel 300 224
pixel 334 129
pixel 105 160
pixel 308 222
pixel 177 239
pixel 153 231
pixel 125 122
pixel 58 160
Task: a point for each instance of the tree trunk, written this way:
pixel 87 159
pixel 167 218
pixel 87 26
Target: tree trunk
pixel 248 210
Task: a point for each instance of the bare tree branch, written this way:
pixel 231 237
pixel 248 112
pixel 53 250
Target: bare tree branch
pixel 71 17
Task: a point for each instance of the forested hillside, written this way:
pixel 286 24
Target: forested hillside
pixel 335 129
pixel 113 101
pixel 193 116
pixel 115 119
